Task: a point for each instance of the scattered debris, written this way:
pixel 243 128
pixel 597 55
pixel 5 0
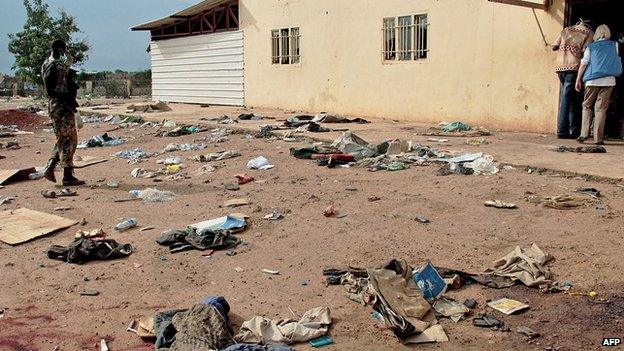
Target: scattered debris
pixel 487 321
pixel 158 106
pixel 508 306
pixel 244 179
pixel 273 216
pixel 153 195
pixel 527 331
pixel 270 271
pixel 62 208
pixel 126 224
pixel 422 220
pixel 500 204
pixel 592 149
pixel 261 163
pixel 90 293
pixel 236 202
pixel 83 250
pixel 593 192
pixel 322 341
pixel 561 202
pixel 6 200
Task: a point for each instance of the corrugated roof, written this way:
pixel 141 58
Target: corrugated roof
pixel 173 18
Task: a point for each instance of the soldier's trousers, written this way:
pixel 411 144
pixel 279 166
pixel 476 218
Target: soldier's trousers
pixel 64 125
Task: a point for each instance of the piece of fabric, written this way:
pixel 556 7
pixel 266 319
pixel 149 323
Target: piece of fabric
pixel 569 119
pixel 306 152
pixel 456 127
pixel 190 238
pixel 325 118
pixel 261 330
pixel 254 347
pixel 595 108
pixel 201 328
pixel 164 329
pixel 603 63
pixel 398 299
pixel 83 250
pixel 572 41
pixel 526 265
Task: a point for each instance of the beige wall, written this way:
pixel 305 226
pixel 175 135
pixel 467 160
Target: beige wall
pixel 488 64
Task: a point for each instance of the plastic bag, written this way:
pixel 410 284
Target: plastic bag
pixel 483 165
pixel 79 122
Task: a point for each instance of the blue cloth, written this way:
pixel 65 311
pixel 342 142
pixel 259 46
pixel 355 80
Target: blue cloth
pixel 569 120
pixel 603 61
pixel 221 305
pixel 254 347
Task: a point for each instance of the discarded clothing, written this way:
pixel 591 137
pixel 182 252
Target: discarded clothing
pixel 333 160
pixel 561 202
pixel 180 131
pixel 325 118
pixel 163 328
pixel 314 128
pixel 591 149
pixel 254 347
pixel 100 141
pixel 217 156
pixel 83 250
pixel 526 265
pixel 350 143
pixel 249 117
pixel 201 328
pixel 455 168
pixel 191 238
pixel 306 152
pixel 260 330
pixel 456 127
pixel 483 165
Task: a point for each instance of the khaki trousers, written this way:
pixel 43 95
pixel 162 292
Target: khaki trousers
pixel 595 105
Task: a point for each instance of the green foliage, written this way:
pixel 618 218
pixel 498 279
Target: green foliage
pixel 31 46
pixel 115 88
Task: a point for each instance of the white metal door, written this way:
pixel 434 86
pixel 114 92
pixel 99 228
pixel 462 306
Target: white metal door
pixel 206 69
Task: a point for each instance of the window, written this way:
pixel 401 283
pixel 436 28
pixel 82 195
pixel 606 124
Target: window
pixel 405 38
pixel 285 46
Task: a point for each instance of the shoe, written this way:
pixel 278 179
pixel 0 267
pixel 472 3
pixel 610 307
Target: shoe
pixel 564 137
pixel 69 179
pixel 48 170
pixel 581 139
pixel 600 143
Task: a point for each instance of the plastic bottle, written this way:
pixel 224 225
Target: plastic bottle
pixel 126 224
pixel 135 193
pixel 36 175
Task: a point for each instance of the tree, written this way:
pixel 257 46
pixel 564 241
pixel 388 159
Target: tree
pixel 31 46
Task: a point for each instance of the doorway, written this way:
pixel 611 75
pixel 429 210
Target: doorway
pixel 607 12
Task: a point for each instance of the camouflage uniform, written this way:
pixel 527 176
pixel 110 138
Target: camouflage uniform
pixel 61 107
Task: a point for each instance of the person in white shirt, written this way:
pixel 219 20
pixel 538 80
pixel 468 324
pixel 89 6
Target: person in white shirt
pixel 600 66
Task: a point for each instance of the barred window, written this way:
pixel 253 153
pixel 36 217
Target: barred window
pixel 405 38
pixel 285 46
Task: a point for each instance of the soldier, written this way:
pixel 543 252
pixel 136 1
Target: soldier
pixel 58 80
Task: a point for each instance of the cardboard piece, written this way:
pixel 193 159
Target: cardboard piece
pixel 15 175
pixel 434 333
pixel 429 281
pixel 508 306
pixel 87 161
pixel 22 225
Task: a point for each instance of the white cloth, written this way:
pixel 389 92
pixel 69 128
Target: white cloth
pixel 600 82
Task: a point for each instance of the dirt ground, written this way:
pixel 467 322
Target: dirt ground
pixel 44 311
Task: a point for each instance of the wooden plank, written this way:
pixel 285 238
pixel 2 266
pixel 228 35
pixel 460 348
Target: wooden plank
pixel 22 225
pixel 87 161
pixel 524 3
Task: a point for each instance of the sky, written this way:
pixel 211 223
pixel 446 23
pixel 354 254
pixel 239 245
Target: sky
pixel 105 23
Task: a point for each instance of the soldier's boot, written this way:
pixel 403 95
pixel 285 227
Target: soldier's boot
pixel 69 179
pixel 48 170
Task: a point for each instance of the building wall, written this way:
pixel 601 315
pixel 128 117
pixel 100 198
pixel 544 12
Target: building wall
pixel 487 65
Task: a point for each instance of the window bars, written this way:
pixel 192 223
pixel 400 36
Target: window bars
pixel 405 38
pixel 285 46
